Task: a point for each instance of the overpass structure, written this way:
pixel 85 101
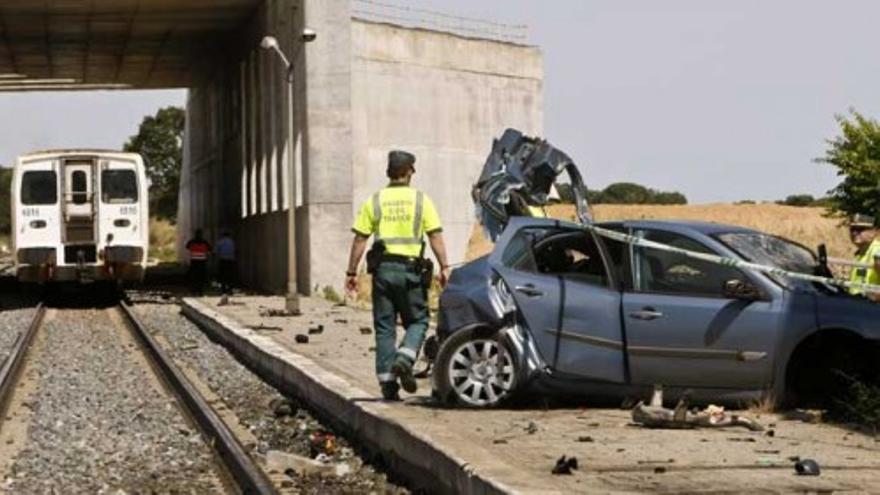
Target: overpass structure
pixel 378 77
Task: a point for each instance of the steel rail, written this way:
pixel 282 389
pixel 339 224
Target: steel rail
pixel 12 365
pixel 247 475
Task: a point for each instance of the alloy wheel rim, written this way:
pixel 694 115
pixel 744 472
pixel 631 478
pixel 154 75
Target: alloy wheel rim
pixel 481 372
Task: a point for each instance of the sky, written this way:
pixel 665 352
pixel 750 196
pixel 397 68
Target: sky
pixel 722 100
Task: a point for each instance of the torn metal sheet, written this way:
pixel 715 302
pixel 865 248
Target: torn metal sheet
pixel 518 176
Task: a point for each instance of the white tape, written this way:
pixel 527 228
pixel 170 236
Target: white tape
pixel 727 261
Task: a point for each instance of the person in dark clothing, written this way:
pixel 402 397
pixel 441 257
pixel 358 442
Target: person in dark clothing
pixel 199 250
pixel 226 269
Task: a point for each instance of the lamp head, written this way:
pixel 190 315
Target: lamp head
pixel 269 43
pixel 308 35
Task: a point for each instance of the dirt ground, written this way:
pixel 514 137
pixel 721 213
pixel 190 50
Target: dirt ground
pixel 519 447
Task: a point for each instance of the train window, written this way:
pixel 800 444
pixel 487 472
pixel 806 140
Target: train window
pixel 79 189
pixel 119 186
pixel 39 187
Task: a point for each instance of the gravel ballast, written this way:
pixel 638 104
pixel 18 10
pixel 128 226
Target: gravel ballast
pixel 101 423
pixel 277 423
pixel 13 322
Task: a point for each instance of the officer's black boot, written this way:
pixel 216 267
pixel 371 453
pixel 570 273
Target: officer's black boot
pixel 390 391
pixel 402 369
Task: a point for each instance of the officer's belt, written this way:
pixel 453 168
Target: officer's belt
pixel 397 258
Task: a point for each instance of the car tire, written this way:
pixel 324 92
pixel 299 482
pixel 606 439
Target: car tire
pixel 475 368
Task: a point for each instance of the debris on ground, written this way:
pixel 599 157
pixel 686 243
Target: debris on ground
pixel 283 407
pixel 366 330
pixel 316 330
pixel 657 416
pixel 807 467
pixel 293 464
pixel 322 443
pixel 277 312
pixel 585 439
pixel 531 428
pixel 565 465
pixel 265 327
pixel 805 415
pixel 301 339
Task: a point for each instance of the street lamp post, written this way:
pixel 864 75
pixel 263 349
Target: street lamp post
pixel 292 297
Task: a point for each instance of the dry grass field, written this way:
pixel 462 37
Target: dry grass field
pixel 809 226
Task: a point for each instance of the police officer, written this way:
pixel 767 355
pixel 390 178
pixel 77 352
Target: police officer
pixel 398 217
pixel 863 233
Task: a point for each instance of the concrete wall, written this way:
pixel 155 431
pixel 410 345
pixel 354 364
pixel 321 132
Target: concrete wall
pixel 444 98
pixel 359 90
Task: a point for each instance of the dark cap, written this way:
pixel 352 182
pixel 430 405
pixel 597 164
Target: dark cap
pixel 862 220
pixel 399 159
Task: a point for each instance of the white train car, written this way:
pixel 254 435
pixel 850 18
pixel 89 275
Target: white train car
pixel 79 215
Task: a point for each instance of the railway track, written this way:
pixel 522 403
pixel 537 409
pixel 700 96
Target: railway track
pixel 60 343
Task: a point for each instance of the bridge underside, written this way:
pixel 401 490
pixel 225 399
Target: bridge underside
pixel 255 149
pixel 90 44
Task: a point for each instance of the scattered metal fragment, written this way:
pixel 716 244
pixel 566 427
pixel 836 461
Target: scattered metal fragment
pixel 265 327
pixel 807 467
pixel 277 312
pixel 531 428
pixel 565 465
pixel 654 416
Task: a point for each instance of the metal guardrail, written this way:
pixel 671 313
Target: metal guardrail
pixel 408 16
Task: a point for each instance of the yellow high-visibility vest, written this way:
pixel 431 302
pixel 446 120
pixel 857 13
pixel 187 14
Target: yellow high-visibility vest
pixel 399 216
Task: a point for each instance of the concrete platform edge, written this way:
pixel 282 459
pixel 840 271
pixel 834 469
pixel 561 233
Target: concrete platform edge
pixel 423 462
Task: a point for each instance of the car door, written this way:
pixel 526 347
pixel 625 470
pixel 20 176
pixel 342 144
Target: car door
pixel 682 331
pixel 565 294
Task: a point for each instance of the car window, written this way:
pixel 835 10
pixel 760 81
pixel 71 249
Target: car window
pixel 39 187
pixel 660 271
pixel 569 253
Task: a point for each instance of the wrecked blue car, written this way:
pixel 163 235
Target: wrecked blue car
pixel 557 309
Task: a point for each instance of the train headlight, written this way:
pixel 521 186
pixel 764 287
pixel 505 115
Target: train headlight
pixel 38 224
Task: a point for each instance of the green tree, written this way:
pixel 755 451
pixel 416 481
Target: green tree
pixel 160 141
pixel 625 193
pixel 855 153
pixel 798 200
pixel 5 212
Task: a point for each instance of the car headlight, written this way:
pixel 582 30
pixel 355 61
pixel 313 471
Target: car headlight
pixel 501 298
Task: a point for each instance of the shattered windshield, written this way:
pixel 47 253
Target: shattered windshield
pixel 770 250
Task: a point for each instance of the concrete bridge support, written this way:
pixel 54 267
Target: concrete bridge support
pixel 360 89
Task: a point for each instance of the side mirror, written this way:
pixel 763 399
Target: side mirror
pixel 739 289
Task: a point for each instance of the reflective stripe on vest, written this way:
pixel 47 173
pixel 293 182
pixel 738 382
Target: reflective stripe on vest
pixel 416 238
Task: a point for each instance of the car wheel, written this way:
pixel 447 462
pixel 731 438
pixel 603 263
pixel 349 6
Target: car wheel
pixel 475 368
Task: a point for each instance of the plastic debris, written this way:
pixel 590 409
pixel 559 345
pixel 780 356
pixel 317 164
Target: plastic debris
pixel 322 442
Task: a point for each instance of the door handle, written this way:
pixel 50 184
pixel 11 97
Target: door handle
pixel 646 314
pixel 528 290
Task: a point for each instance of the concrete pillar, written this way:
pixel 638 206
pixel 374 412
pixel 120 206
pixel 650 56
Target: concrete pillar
pixel 324 115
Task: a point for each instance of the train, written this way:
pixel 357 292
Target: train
pixel 80 215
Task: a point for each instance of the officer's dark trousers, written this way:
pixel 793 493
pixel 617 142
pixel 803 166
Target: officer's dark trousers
pixel 397 290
